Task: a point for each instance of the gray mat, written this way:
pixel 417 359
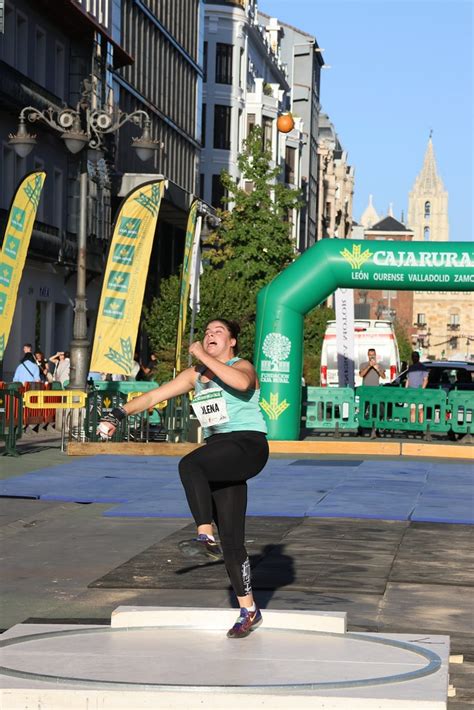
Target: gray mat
pixel 305 554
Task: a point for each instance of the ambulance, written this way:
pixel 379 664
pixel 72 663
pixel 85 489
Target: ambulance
pixel 378 334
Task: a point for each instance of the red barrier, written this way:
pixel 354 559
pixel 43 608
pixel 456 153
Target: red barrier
pixel 32 417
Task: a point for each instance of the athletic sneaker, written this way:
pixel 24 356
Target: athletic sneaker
pixel 201 546
pixel 247 622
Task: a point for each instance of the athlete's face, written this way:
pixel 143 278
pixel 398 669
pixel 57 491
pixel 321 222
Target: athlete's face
pixel 217 340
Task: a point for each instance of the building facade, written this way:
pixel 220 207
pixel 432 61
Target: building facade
pixel 428 203
pixel 303 59
pixel 135 55
pixel 335 184
pixel 245 83
pixel 386 304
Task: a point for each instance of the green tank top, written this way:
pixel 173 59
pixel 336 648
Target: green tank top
pixel 243 408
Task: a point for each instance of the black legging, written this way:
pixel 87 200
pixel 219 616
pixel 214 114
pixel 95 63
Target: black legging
pixel 214 479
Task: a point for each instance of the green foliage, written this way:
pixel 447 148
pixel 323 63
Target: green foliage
pixel 254 239
pixel 251 246
pixel 405 347
pixel 314 329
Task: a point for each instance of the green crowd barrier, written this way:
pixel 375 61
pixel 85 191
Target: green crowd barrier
pixel 461 408
pixel 11 417
pixel 404 409
pixel 330 408
pixel 105 395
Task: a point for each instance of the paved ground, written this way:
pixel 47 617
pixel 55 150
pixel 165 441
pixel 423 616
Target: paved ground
pixel 396 576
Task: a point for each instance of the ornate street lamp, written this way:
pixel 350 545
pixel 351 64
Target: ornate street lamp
pixel 80 127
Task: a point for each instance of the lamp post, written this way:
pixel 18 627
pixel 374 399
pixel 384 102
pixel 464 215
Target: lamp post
pixel 83 126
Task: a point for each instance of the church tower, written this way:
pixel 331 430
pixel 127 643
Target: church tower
pixel 428 203
pixel 369 215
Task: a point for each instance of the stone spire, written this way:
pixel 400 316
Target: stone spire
pixel 428 202
pixel 369 215
pixel 428 180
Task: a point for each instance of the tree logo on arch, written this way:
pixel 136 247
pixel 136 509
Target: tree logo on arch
pixel 277 348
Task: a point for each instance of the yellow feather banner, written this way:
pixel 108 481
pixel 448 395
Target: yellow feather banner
pixel 15 248
pixel 124 282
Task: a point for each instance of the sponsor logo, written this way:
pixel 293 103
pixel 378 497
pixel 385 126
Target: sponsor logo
pixel 6 273
pixel 3 300
pixel 277 348
pixel 431 259
pixel 118 281
pixel 18 219
pixel 273 409
pixel 114 308
pixel 356 257
pixel 12 246
pixel 129 227
pixel 123 254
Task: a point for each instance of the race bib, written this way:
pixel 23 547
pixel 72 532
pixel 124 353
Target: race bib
pixel 210 407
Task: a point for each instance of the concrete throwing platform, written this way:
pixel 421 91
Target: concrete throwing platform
pixel 175 658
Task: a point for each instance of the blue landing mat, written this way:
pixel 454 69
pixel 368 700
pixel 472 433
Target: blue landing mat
pixel 388 489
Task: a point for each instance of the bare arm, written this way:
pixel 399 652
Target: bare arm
pixel 364 371
pixel 240 376
pixel 182 383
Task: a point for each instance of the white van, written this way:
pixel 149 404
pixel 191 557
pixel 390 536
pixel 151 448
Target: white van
pixel 378 334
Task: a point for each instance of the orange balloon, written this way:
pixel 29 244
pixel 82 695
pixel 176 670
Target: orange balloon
pixel 285 123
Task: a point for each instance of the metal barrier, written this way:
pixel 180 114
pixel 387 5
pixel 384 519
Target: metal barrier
pixel 67 399
pixel 330 409
pixel 402 409
pixel 461 408
pixel 11 417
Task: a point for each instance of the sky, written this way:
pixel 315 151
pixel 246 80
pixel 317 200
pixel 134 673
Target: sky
pixel 397 69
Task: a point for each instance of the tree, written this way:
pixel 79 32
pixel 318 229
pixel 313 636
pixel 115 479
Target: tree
pixel 314 330
pixel 405 348
pixel 249 248
pixel 254 238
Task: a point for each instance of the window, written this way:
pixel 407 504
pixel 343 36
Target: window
pixel 222 116
pixel 40 56
pixel 39 165
pixel 389 294
pixel 204 62
pixel 426 234
pixel 427 210
pixel 203 126
pixel 58 198
pixel 250 122
pixel 8 39
pixel 59 61
pixel 267 133
pixel 241 68
pixel 290 158
pixel 21 43
pixel 224 63
pixel 420 319
pixel 202 185
pixel 454 320
pixel 218 191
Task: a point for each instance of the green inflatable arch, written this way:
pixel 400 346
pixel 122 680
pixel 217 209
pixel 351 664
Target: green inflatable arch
pixel 328 265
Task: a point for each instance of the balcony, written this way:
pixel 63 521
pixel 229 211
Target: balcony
pixel 453 326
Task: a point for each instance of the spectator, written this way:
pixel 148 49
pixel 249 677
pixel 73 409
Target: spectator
pixel 45 374
pixel 62 366
pixel 27 370
pixel 135 368
pixel 27 348
pixel 417 373
pixel 147 372
pixel 371 371
pixel 417 377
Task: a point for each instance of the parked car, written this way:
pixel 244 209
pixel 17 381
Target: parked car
pixel 447 374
